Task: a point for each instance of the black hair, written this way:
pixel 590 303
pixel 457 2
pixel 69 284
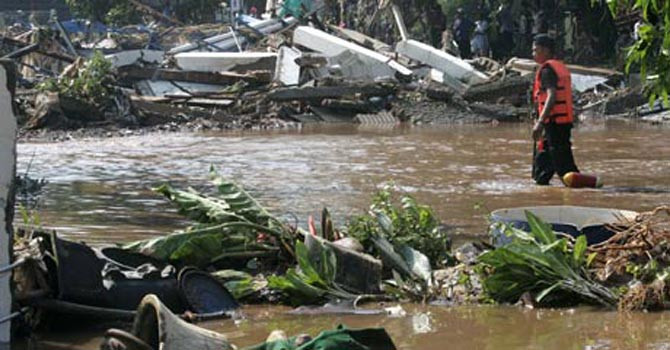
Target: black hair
pixel 545 41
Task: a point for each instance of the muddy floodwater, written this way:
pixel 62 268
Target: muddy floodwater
pixel 99 192
pixel 458 328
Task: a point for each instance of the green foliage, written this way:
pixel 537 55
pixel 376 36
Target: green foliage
pixel 197 11
pixel 228 225
pixel 314 281
pixel 91 9
pixel 122 13
pixel 402 222
pixel 241 284
pixel 449 7
pixel 651 53
pixel 542 264
pixel 29 217
pixel 113 12
pixel 91 82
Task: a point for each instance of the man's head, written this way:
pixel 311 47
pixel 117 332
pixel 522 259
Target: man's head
pixel 459 12
pixel 543 48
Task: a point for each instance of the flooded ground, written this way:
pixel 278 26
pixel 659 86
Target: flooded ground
pixel 99 192
pixel 439 328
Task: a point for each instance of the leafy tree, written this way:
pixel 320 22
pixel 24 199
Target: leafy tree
pixel 651 52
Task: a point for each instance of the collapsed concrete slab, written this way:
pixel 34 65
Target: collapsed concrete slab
pixel 454 68
pixel 7 174
pixel 226 61
pixel 361 39
pixel 127 58
pixel 376 64
pixel 175 88
pixel 287 71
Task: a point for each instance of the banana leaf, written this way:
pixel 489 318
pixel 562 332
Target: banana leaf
pixel 228 224
pixel 201 208
pixel 540 263
pixel 239 201
pixel 313 282
pixel 241 284
pixel 164 247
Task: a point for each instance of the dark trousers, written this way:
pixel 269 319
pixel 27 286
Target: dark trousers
pixel 505 44
pixel 464 49
pixel 556 156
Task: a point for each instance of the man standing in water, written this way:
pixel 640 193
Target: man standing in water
pixel 552 94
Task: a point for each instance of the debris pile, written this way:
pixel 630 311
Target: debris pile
pixel 637 257
pixel 630 270
pixel 260 73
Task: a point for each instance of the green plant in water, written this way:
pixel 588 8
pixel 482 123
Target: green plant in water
pixel 410 224
pixel 543 265
pixel 91 82
pixel 229 225
pixel 314 281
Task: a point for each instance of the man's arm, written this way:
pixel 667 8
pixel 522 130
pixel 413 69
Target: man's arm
pixel 545 114
pixel 551 100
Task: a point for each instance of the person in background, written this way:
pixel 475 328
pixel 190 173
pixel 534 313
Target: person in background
pixel 552 95
pixel 505 31
pixel 462 29
pixel 480 40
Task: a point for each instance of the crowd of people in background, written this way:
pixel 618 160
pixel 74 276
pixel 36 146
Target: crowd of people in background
pixel 497 33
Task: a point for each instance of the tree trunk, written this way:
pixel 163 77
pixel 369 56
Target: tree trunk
pixel 7 173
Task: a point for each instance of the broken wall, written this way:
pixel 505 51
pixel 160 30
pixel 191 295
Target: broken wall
pixel 7 172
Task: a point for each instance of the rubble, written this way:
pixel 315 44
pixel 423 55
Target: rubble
pixel 456 72
pixel 374 65
pixel 278 72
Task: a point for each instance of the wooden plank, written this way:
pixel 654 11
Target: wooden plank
pixel 161 113
pixel 215 78
pixel 324 92
pixel 510 86
pixel 18 43
pixel 527 66
pixel 400 22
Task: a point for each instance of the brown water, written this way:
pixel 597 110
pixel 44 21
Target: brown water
pixel 439 328
pixel 100 192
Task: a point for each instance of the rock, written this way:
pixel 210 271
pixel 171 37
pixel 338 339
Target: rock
pixel 350 243
pixel 47 113
pixel 467 253
pixel 356 272
pixel 276 335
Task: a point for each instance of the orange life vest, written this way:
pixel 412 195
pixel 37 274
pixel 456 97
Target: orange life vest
pixel 562 112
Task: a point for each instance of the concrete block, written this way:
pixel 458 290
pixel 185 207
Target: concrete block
pixel 7 173
pixel 287 70
pixel 130 57
pixel 225 61
pixel 332 46
pixel 452 66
